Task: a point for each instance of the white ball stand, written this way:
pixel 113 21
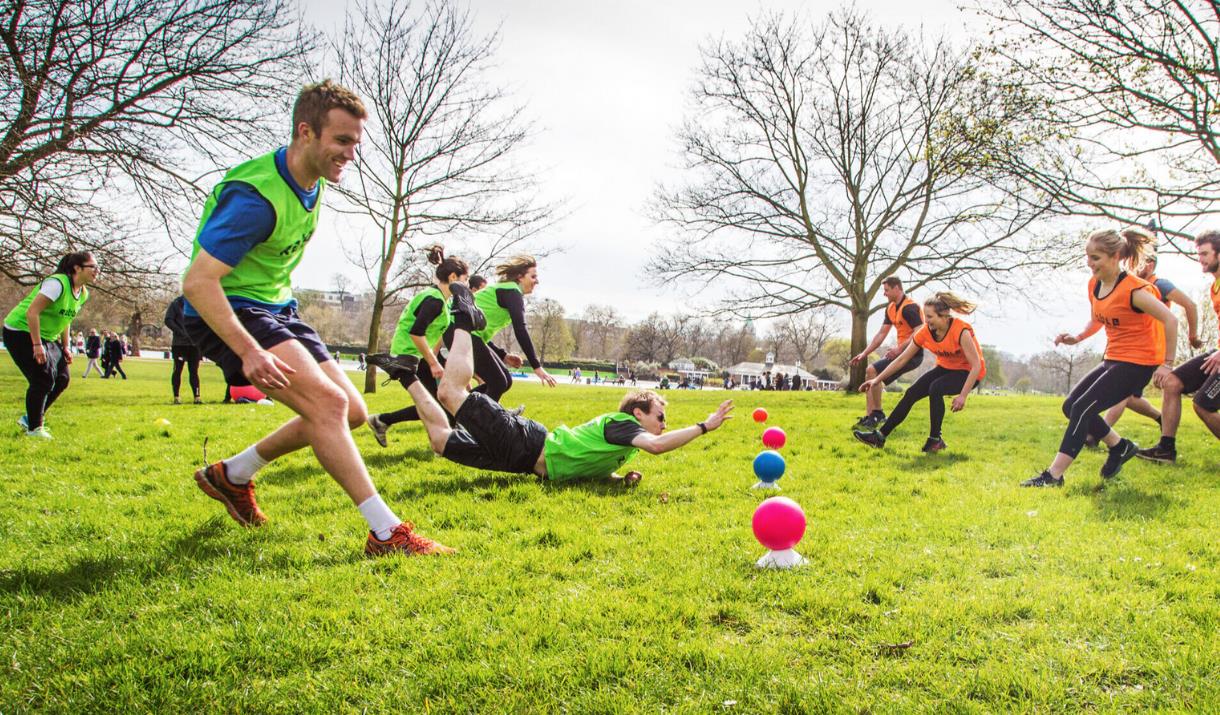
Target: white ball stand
pixel 785 559
pixel 766 485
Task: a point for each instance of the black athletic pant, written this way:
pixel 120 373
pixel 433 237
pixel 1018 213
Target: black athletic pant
pixel 112 367
pixel 47 381
pixel 1110 383
pixel 487 365
pixel 184 357
pixel 407 414
pixel 934 385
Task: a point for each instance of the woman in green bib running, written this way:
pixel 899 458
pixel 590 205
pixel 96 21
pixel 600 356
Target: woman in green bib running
pixel 420 329
pixel 48 312
pixel 503 303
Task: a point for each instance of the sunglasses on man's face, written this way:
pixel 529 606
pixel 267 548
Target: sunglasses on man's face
pixel 661 417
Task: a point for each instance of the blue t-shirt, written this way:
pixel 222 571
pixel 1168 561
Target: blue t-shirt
pixel 243 219
pixel 1165 287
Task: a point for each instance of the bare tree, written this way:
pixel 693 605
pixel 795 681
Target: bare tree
pixel 822 160
pixel 1133 91
pixel 1066 364
pixel 807 334
pixel 602 323
pixel 735 342
pixel 644 341
pixel 549 330
pixel 101 100
pixel 439 148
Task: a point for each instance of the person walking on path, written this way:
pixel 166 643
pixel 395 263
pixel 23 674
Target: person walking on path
pixel 113 350
pixel 93 350
pixel 241 313
pixel 37 331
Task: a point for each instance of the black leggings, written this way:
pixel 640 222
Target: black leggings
pixel 192 369
pixel 487 365
pixel 112 367
pixel 407 414
pixel 934 385
pixel 47 381
pixel 1110 383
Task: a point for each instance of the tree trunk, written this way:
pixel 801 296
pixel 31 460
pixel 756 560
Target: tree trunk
pixel 370 374
pixel 859 340
pixel 134 327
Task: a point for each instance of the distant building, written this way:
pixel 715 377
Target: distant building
pixel 743 371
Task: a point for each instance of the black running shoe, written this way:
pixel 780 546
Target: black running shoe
pixel 395 367
pixel 463 304
pixel 933 445
pixel 1045 479
pixel 871 437
pixel 1120 454
pixel 1158 454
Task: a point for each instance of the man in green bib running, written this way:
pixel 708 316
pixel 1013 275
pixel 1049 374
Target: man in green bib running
pixel 240 311
pixel 493 438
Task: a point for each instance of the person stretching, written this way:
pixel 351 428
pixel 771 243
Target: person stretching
pixel 493 438
pixel 1137 350
pixel 420 328
pixel 959 369
pixel 1199 376
pixel 904 314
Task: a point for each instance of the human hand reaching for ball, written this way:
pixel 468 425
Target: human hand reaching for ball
pixel 718 417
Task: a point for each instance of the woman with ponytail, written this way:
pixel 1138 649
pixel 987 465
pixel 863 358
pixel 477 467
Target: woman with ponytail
pixel 417 337
pixel 959 369
pixel 37 330
pixel 1141 339
pixel 503 303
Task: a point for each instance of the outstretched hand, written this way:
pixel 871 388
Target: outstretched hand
pixel 867 385
pixel 546 377
pixel 718 417
pixel 1066 339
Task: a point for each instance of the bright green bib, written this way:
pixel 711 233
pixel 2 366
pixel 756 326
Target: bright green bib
pixel 53 318
pixel 584 452
pixel 402 343
pixel 497 317
pixel 264 274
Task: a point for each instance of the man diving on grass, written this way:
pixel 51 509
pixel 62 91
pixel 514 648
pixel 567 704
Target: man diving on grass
pixel 492 438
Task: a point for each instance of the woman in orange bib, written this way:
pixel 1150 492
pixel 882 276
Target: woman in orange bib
pixel 1138 349
pixel 959 369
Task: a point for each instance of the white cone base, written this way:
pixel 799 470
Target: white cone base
pixel 786 559
pixel 766 485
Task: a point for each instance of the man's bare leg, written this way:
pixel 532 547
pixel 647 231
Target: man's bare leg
pixel 430 413
pixel 872 398
pixel 1141 406
pixel 459 368
pixel 1211 419
pixel 1171 406
pixel 290 436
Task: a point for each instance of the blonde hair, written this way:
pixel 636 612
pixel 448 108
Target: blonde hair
pixel 945 301
pixel 643 399
pixel 515 267
pixel 1131 245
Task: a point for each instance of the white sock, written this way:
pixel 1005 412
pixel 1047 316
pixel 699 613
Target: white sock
pixel 381 520
pixel 240 469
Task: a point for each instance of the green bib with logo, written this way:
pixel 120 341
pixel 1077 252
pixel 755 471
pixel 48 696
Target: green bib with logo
pixel 583 451
pixel 497 317
pixel 402 343
pixel 264 274
pixel 53 318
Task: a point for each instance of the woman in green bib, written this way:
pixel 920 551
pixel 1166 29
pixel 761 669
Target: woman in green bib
pixel 420 328
pixel 47 312
pixel 503 304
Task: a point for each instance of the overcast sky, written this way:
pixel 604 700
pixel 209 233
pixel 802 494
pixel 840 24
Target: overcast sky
pixel 607 83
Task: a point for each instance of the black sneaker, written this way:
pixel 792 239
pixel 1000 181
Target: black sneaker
pixel 863 422
pixel 933 445
pixel 1120 454
pixel 395 367
pixel 870 437
pixel 1158 454
pixel 1045 479
pixel 463 304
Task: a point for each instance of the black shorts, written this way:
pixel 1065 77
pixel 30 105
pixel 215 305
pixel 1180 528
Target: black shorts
pixel 1205 388
pixel 268 330
pixel 915 361
pixel 185 353
pixel 493 439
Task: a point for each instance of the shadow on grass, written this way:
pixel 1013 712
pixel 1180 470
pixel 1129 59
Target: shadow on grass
pixel 484 481
pixel 206 543
pixel 1129 503
pixel 934 462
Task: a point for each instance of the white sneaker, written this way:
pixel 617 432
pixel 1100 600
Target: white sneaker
pixel 379 429
pixel 41 433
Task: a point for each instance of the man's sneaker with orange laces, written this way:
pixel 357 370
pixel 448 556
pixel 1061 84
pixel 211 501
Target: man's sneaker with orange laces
pixel 404 540
pixel 237 498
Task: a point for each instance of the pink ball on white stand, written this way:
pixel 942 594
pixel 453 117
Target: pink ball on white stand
pixel 779 524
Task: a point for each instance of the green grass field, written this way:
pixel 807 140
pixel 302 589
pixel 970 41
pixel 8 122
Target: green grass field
pixel 125 589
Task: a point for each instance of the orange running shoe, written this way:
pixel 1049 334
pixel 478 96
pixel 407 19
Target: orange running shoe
pixel 237 498
pixel 403 539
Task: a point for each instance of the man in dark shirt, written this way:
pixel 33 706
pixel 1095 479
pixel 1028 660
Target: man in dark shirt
pixel 182 350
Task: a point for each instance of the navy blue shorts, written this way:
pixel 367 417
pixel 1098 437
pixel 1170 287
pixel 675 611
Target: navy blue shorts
pixel 493 439
pixel 915 361
pixel 268 330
